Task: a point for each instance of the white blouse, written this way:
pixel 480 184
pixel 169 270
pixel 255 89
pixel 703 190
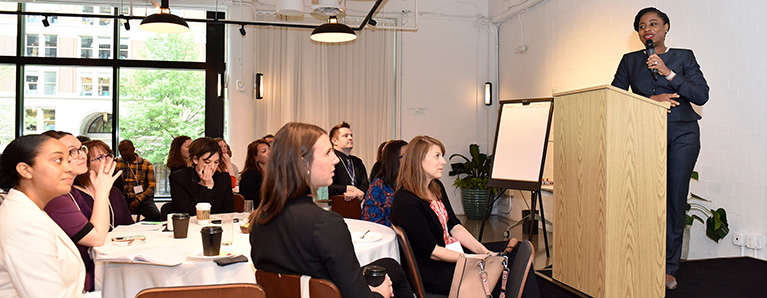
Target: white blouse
pixel 37 259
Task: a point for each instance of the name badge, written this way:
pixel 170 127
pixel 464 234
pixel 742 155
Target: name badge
pixel 455 246
pixel 138 189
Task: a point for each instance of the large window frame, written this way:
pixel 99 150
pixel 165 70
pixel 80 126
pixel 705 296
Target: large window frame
pixel 214 65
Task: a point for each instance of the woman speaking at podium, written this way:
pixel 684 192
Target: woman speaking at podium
pixel 668 75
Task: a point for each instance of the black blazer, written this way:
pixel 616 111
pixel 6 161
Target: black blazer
pixel 424 231
pixel 250 186
pixel 185 192
pixel 305 239
pixel 341 178
pixel 689 82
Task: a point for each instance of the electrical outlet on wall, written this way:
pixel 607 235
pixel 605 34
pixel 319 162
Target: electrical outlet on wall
pixel 737 238
pixel 751 241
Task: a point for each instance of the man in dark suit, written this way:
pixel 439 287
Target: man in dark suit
pixel 350 177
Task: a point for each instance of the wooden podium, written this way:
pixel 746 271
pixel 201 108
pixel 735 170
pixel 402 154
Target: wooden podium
pixel 610 192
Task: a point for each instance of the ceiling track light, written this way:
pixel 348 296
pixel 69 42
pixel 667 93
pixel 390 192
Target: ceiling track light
pixel 126 22
pixel 372 22
pixel 164 21
pixel 242 30
pixel 333 32
pixel 45 22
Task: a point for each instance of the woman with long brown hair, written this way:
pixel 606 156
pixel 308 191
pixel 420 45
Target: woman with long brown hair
pixel 178 156
pixel 252 176
pixel 422 209
pixel 292 235
pixel 98 153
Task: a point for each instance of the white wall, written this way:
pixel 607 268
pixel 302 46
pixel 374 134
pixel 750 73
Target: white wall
pixel 574 44
pixel 443 70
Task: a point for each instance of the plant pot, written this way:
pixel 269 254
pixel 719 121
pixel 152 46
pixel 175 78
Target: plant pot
pixel 474 201
pixel 686 242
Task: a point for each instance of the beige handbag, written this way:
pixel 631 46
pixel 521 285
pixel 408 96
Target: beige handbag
pixel 476 275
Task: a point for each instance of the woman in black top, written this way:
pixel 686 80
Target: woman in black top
pixel 422 209
pixel 252 176
pixel 292 235
pixel 201 182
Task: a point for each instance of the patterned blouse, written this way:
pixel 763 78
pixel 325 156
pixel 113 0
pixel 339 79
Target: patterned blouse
pixel 377 204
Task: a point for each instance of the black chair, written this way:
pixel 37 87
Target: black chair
pixel 410 266
pixel 520 268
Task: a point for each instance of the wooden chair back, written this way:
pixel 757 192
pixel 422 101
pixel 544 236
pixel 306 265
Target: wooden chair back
pixel 347 209
pixel 239 203
pixel 240 290
pixel 278 285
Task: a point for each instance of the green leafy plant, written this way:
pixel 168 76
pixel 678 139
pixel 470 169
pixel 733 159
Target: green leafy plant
pixel 476 169
pixel 716 220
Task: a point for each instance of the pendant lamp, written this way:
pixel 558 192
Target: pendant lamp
pixel 333 32
pixel 164 21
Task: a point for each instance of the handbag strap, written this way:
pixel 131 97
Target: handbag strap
pixel 504 277
pixel 483 278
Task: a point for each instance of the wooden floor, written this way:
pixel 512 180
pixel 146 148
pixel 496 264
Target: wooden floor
pixel 496 227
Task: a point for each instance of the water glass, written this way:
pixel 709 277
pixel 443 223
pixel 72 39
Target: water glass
pixel 248 206
pixel 227 224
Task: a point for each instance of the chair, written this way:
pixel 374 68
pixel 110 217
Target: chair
pixel 240 290
pixel 239 203
pixel 410 266
pixel 348 209
pixel 278 285
pixel 520 268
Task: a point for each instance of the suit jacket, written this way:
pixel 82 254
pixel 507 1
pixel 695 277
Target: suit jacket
pixel 186 192
pixel 307 240
pixel 37 259
pixel 689 82
pixel 341 178
pixel 424 231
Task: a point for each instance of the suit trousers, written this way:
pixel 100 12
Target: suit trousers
pixel 683 150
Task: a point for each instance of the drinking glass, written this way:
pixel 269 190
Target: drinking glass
pixel 227 224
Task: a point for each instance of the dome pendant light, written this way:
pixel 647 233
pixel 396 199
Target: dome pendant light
pixel 333 32
pixel 164 21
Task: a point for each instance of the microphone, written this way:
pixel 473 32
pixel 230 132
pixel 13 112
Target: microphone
pixel 650 47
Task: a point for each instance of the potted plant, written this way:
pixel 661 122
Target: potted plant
pixel 473 184
pixel 716 220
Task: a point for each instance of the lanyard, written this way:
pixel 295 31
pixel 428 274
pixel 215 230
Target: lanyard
pixel 352 175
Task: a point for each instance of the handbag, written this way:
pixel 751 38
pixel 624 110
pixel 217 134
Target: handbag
pixel 476 275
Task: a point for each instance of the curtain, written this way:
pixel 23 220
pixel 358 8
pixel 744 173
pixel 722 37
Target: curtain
pixel 325 84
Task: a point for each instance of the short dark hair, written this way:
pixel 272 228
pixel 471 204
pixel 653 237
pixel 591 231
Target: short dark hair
pixel 83 139
pixel 645 10
pixel 334 130
pixel 200 146
pixel 268 136
pixel 56 134
pixel 22 149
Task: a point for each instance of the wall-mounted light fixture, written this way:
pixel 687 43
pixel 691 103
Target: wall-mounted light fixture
pixel 164 21
pixel 258 89
pixel 488 93
pixel 45 22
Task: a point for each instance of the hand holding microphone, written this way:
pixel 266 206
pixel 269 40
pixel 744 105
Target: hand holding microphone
pixel 650 47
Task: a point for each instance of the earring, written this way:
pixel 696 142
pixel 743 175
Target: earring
pixel 308 173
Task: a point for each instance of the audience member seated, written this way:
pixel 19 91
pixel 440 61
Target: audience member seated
pixel 252 175
pixel 422 209
pixel 178 155
pixel 269 138
pixel 37 259
pixel 138 181
pixel 377 204
pixel 86 224
pixel 99 153
pixel 225 164
pixel 292 235
pixel 201 182
pixel 377 165
pixel 350 178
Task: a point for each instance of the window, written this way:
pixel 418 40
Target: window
pixel 8 28
pixel 49 46
pixel 102 44
pixel 104 47
pixel 38 120
pixel 103 21
pixel 124 48
pixel 86 46
pixel 87 21
pixel 35 80
pixel 101 82
pixel 7 104
pixel 101 124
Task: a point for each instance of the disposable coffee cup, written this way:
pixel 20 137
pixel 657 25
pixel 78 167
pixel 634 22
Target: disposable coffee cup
pixel 374 275
pixel 180 225
pixel 203 213
pixel 211 240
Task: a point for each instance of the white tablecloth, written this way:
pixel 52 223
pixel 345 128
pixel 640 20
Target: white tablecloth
pixel 117 277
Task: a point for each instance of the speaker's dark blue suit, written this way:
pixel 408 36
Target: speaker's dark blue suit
pixel 683 131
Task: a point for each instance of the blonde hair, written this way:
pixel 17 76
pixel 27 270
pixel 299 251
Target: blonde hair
pixel 412 177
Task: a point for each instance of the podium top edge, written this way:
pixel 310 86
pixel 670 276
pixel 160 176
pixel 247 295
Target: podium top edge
pixel 664 105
